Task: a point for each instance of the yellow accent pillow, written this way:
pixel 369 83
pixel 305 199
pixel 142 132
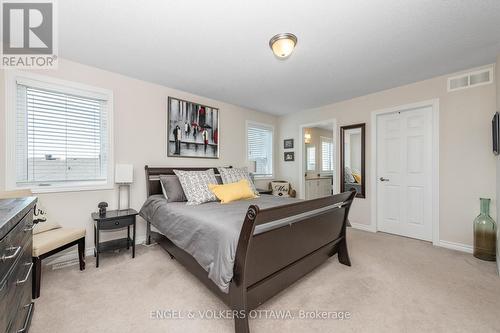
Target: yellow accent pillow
pixel 357 177
pixel 232 191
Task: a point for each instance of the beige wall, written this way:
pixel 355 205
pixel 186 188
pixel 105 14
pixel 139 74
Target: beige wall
pixel 497 78
pixel 467 166
pixel 139 139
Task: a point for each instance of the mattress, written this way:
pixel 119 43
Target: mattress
pixel 210 231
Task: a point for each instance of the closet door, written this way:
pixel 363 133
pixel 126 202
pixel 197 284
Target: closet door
pixel 404 173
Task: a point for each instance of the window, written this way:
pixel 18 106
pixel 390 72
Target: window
pixel 260 148
pixel 311 158
pixel 326 154
pixel 62 136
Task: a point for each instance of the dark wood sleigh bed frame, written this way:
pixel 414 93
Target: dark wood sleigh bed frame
pixel 269 262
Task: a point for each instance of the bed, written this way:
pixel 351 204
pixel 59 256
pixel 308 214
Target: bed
pixel 245 260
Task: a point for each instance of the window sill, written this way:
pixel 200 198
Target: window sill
pixel 263 177
pixel 77 187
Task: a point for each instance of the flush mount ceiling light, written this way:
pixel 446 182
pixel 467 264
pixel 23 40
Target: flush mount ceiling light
pixel 283 45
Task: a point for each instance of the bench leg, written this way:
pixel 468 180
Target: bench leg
pixel 81 253
pixel 37 276
pixel 343 253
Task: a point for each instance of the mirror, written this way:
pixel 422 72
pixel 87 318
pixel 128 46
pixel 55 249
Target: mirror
pixel 352 159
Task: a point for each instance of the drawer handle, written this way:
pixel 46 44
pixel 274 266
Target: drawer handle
pixel 18 282
pixel 3 284
pixel 13 255
pixel 26 321
pixel 117 223
pixel 31 227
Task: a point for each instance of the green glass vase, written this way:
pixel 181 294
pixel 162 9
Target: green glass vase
pixel 485 232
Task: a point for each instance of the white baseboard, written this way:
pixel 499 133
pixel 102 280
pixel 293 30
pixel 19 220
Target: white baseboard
pixel 442 243
pixel 455 246
pixel 361 226
pixel 61 258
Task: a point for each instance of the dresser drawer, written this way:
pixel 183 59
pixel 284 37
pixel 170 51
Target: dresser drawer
pixel 11 246
pixel 116 223
pixel 24 312
pixel 16 288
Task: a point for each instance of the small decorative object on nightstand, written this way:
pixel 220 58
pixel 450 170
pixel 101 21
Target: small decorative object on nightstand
pixel 102 208
pixel 113 220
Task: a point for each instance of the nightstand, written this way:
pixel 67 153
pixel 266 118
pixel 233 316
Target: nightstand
pixel 262 191
pixel 113 220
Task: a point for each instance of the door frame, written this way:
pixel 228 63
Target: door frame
pixel 434 104
pixel 302 183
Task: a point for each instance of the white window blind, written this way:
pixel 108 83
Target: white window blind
pixel 326 154
pixel 311 158
pixel 260 148
pixel 60 137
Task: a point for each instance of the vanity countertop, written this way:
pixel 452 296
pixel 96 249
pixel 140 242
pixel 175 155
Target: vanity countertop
pixel 317 178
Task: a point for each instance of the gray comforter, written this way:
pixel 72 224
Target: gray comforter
pixel 209 232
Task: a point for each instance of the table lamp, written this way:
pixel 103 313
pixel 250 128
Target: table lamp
pixel 124 176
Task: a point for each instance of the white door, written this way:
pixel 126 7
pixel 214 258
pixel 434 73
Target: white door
pixel 404 173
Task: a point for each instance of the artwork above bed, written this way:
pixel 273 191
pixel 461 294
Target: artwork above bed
pixel 192 129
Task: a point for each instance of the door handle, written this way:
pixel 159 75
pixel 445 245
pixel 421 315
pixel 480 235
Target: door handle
pixel 382 179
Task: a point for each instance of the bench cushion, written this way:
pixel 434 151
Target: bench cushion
pixel 50 240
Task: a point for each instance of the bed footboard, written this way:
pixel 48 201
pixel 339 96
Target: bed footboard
pixel 268 262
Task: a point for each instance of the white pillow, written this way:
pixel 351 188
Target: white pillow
pixel 195 185
pixel 233 175
pixel 280 189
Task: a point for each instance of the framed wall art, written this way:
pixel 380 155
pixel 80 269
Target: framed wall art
pixel 288 143
pixel 192 129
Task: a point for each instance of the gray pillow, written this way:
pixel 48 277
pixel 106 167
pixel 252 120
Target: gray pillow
pixel 195 185
pixel 172 189
pixel 232 175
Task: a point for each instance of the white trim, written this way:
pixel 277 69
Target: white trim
pixel 70 255
pixel 42 81
pixel 434 104
pixel 361 226
pixel 300 159
pixel 273 144
pixel 455 246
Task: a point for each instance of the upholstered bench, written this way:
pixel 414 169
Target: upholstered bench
pixel 53 241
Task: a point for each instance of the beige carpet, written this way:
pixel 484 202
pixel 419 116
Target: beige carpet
pixel 395 285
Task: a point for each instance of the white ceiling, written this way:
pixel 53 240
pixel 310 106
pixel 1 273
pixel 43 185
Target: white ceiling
pixel 219 49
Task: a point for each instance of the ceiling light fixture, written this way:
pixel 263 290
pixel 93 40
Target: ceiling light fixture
pixel 283 44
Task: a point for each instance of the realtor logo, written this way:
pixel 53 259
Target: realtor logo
pixel 28 34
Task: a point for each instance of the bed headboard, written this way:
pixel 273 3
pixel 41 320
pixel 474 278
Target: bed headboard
pixel 153 176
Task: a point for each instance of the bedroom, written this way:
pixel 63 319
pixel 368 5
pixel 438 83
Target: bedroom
pixel 350 64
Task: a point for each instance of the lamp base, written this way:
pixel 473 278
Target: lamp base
pixel 127 186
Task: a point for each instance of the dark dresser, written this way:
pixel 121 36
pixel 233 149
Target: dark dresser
pixel 16 225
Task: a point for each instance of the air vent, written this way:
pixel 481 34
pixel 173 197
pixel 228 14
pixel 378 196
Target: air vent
pixel 471 79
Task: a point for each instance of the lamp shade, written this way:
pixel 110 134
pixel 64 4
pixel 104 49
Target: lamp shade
pixel 124 174
pixel 307 138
